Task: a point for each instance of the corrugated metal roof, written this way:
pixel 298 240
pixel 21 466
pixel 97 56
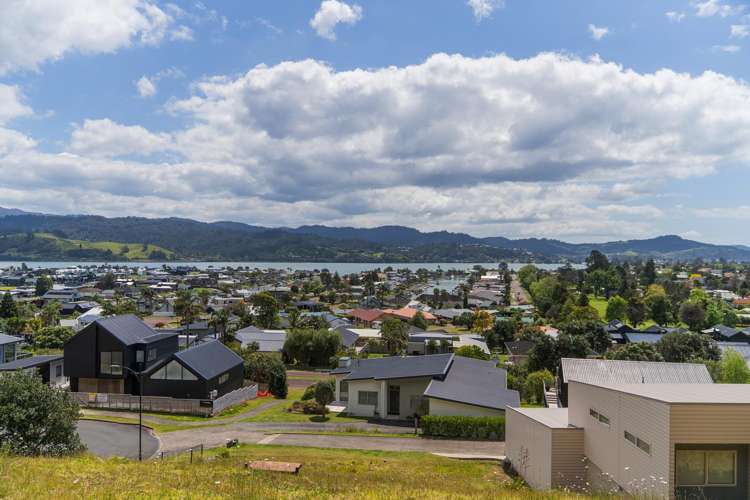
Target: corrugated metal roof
pixel 741 347
pixel 30 362
pixel 398 367
pixel 474 382
pixel 687 393
pixel 129 329
pixel 209 359
pixel 605 371
pixel 8 339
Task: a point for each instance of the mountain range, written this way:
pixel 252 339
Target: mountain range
pixel 32 236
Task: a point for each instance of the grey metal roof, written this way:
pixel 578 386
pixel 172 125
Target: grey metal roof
pixel 554 418
pixel 267 341
pixel 743 348
pixel 686 393
pixel 30 362
pixel 474 382
pixel 519 347
pixel 648 338
pixel 393 367
pixel 8 339
pixel 129 329
pixel 606 371
pixel 209 359
pixel 348 337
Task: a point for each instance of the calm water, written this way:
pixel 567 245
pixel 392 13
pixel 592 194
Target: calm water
pixel 340 267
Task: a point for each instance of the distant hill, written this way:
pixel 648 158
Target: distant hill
pixel 26 236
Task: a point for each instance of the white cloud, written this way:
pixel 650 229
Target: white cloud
pixel 182 33
pixel 484 8
pixel 546 146
pixel 740 30
pixel 727 48
pixel 710 8
pixel 105 138
pixel 331 13
pixel 11 103
pixel 33 32
pixel 597 33
pixel 675 17
pixel 146 87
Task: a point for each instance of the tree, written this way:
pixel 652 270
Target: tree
pixel 547 293
pixel 395 335
pixel 43 285
pixel 419 321
pixel 571 346
pixel 107 282
pixel 733 368
pixel 266 309
pixel 8 307
pixel 687 347
pixel 637 351
pixel 657 304
pixel 36 419
pixel 636 310
pixel 310 347
pixel 325 391
pixel 693 315
pixel 544 354
pixel 502 330
pixel 219 322
pixel 649 273
pixel 596 261
pixel 482 322
pixel 187 307
pixel 471 351
pixel 267 369
pixel 527 275
pixel 53 337
pixel 50 314
pixel 617 308
pixel 293 316
pixel 533 387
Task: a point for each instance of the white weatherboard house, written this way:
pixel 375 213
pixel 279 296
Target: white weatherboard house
pixel 441 384
pixel 649 440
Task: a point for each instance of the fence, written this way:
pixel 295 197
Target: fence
pixel 158 404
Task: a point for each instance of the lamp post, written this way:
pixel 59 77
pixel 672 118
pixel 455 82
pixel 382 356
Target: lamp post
pixel 139 376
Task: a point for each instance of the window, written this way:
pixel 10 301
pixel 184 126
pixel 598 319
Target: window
pixel 110 363
pixel 630 437
pixel 139 356
pixel 58 371
pixel 344 390
pixel 367 398
pixel 224 379
pixel 706 468
pixel 594 413
pixel 604 420
pixel 151 355
pixel 599 417
pixel 643 445
pixel 173 371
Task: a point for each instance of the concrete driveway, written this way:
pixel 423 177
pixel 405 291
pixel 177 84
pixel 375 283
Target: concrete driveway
pixel 107 439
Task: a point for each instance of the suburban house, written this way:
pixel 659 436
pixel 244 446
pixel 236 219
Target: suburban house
pixel 602 371
pixel 421 342
pixel 439 384
pixel 267 340
pixel 49 367
pixel 728 334
pixel 98 357
pixel 364 318
pixel 648 440
pixel 743 348
pixel 9 347
pixel 407 314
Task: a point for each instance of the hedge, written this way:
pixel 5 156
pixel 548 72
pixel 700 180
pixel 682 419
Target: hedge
pixel 488 428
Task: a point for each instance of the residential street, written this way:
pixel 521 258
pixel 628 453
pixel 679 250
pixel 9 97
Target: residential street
pixel 107 439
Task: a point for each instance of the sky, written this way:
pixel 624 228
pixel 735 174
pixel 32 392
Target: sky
pixel 584 120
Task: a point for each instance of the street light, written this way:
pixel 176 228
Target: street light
pixel 139 376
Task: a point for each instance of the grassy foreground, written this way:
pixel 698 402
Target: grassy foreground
pixel 221 474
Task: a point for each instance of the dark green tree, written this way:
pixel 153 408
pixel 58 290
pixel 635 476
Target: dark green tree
pixel 8 307
pixel 266 309
pixel 637 351
pixel 687 347
pixel 43 285
pixel 394 335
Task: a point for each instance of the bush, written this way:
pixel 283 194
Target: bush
pixel 36 419
pixel 309 393
pixel 308 408
pixel 325 391
pixel 267 369
pixel 486 428
pixel 472 351
pixel 311 347
pixel 533 387
pixel 53 337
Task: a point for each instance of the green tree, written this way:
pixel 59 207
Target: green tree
pixel 527 275
pixel 220 322
pixel 544 354
pixel 571 346
pixel 43 285
pixel 617 308
pixel 636 311
pixel 310 347
pixel 657 304
pixel 325 391
pixel 471 351
pixel 107 282
pixel 394 335
pixel 8 307
pixel 733 368
pixel 483 321
pixel 596 261
pixel 36 419
pixel 419 321
pixel 53 337
pixel 533 387
pixel 548 295
pixel 693 315
pixel 637 351
pixel 50 314
pixel 266 309
pixel 267 369
pixel 187 307
pixel 687 347
pixel 649 273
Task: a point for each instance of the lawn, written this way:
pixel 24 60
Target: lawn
pixel 600 304
pixel 279 413
pixel 221 474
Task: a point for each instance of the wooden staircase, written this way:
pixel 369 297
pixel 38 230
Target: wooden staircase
pixel 550 397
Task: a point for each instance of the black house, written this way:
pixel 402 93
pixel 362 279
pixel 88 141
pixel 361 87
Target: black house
pixel 95 357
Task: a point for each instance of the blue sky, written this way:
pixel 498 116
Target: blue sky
pixel 580 120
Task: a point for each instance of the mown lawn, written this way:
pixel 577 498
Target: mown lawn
pixel 221 474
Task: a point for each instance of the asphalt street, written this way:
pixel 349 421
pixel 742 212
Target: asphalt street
pixel 106 439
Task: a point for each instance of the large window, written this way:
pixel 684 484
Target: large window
pixel 344 390
pixel 224 379
pixel 706 467
pixel 173 371
pixel 369 398
pixel 110 363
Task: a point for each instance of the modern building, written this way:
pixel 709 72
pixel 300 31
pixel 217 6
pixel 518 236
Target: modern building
pixel 9 347
pixel 440 384
pixel 266 340
pixel 49 367
pixel 649 440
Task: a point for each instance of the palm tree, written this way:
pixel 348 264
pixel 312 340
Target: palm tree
pixel 188 308
pixel 220 321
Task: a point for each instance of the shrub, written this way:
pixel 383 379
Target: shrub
pixel 309 393
pixel 533 387
pixel 36 419
pixel 325 391
pixel 487 428
pixel 267 369
pixel 53 337
pixel 472 351
pixel 311 347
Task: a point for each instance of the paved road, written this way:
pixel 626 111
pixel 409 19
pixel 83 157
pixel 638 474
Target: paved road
pixel 106 439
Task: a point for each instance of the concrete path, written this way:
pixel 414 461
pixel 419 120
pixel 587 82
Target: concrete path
pixel 107 439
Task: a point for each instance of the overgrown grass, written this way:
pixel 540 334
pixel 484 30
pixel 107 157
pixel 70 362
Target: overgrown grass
pixel 221 474
pixel 135 250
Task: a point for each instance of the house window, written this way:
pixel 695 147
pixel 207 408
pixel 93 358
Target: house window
pixel 599 417
pixel 594 414
pixel 151 354
pixel 58 371
pixel 110 363
pixel 643 445
pixel 224 379
pixel 706 468
pixel 173 371
pixel 344 390
pixel 369 398
pixel 631 438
